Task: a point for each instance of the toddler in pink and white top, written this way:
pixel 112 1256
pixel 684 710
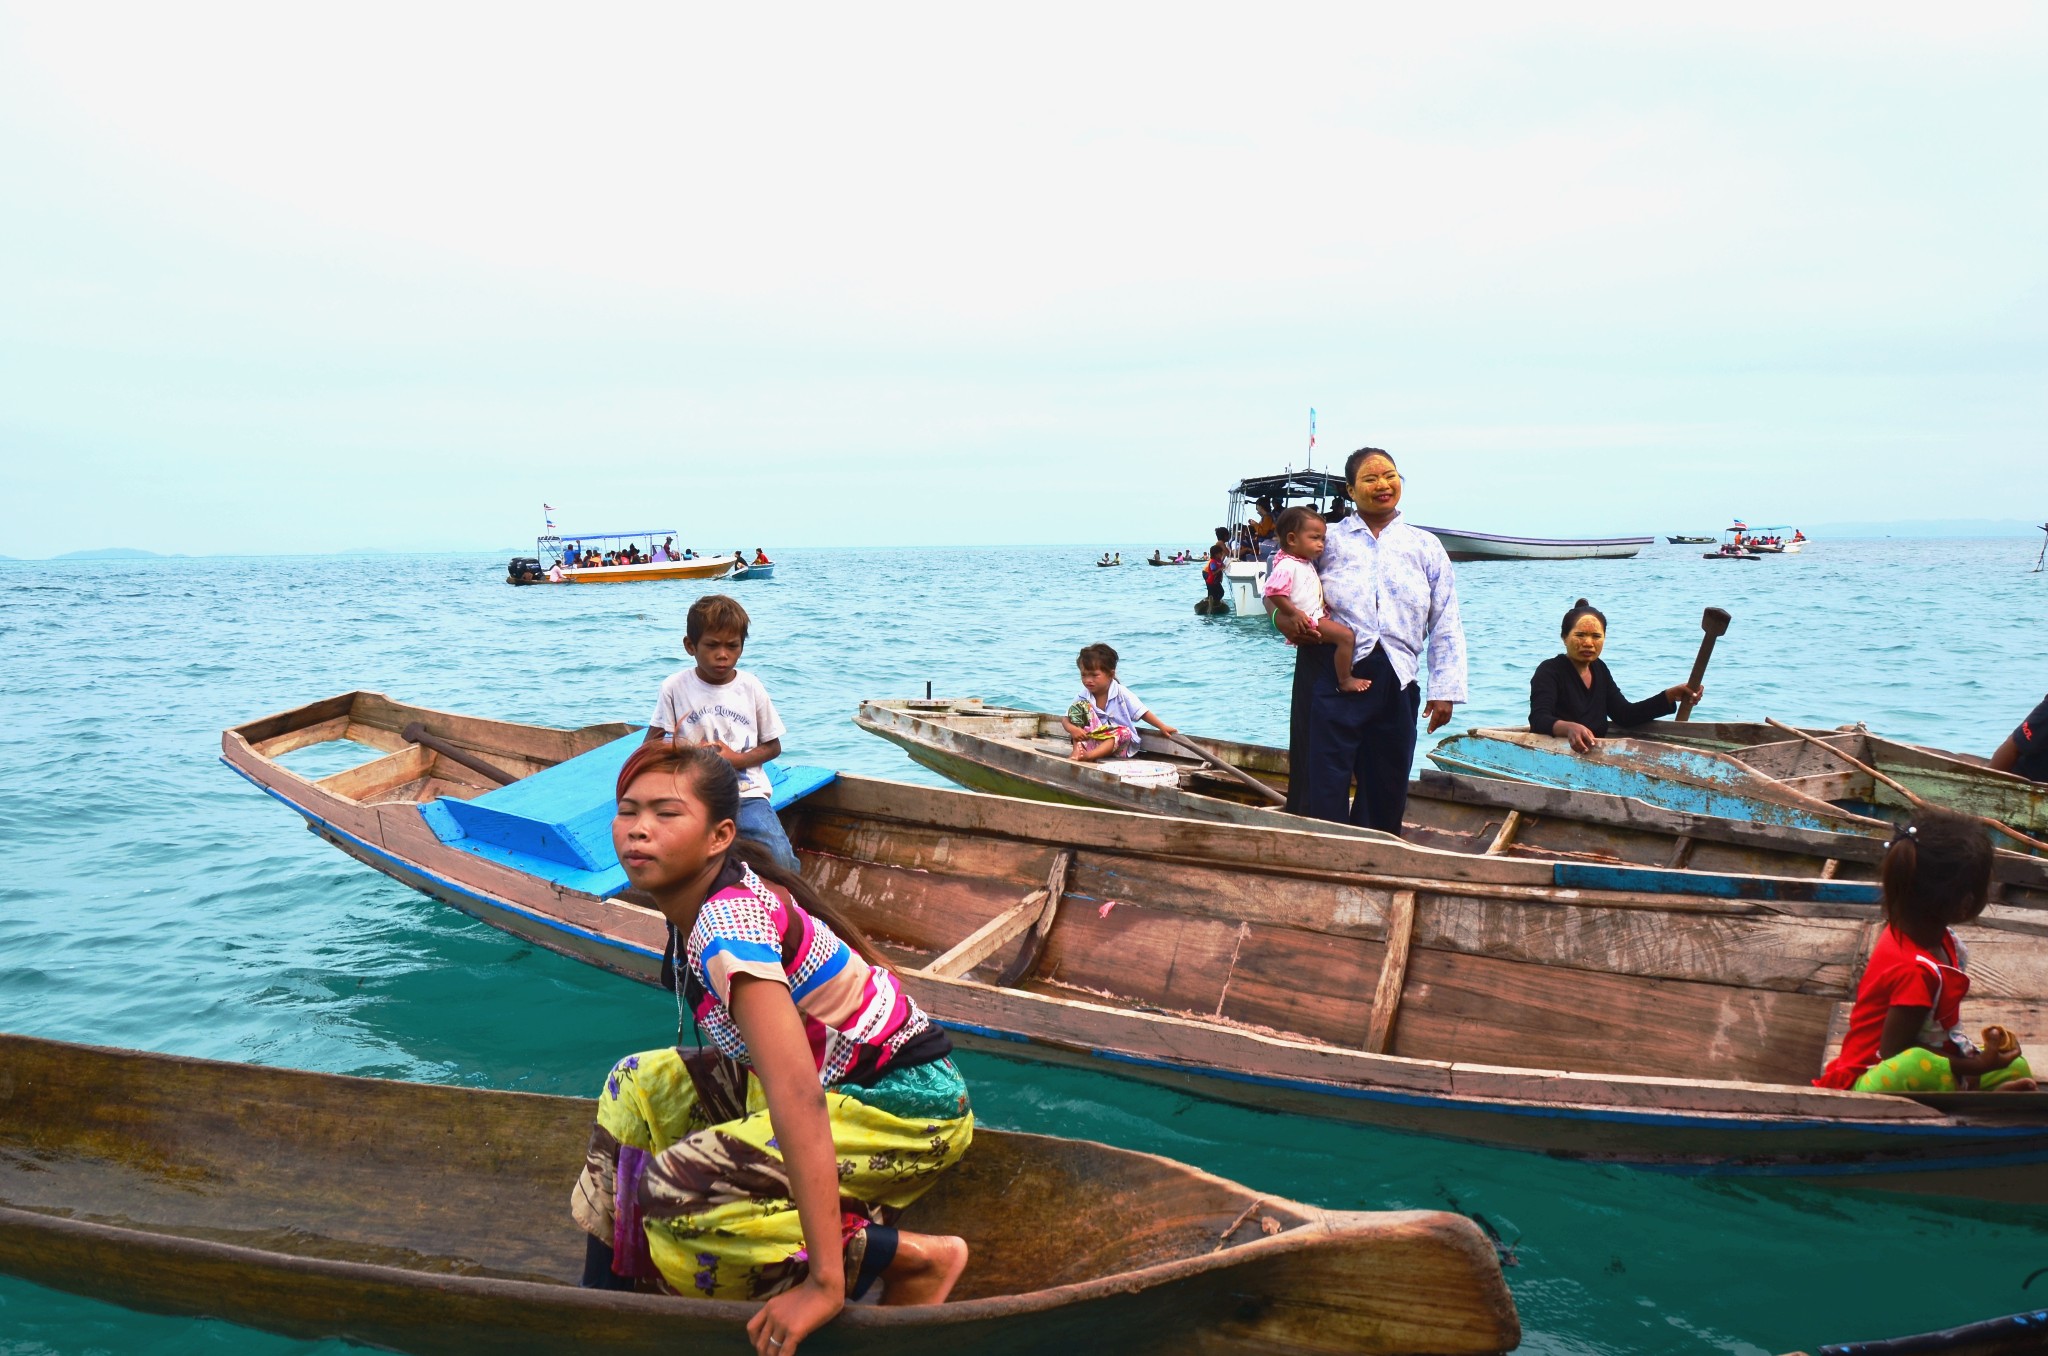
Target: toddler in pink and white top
pixel 1292 586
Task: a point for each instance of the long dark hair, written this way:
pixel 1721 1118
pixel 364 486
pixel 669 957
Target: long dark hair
pixel 712 780
pixel 1937 871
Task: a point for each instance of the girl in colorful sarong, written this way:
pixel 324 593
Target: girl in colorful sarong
pixel 772 1165
pixel 1104 722
pixel 1905 1030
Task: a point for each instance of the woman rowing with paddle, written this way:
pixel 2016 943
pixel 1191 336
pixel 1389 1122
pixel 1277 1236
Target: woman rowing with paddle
pixel 772 1165
pixel 1574 697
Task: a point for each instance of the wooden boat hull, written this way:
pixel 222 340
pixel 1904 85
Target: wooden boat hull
pixel 708 567
pixel 435 1219
pixel 1759 772
pixel 1011 752
pixel 1379 982
pixel 1462 546
pixel 2009 1335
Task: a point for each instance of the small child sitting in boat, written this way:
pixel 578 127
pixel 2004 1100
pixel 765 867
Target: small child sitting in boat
pixel 1293 588
pixel 1905 1030
pixel 1104 721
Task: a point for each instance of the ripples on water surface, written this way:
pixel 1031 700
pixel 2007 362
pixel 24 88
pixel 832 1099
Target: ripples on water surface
pixel 151 898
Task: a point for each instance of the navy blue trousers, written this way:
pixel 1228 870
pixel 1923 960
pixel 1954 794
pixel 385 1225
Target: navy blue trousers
pixel 1336 738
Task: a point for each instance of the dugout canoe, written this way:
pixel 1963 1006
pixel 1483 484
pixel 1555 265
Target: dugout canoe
pixel 1011 752
pixel 1761 773
pixel 2006 1336
pixel 435 1219
pixel 1472 997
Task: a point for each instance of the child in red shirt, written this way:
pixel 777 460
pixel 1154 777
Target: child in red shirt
pixel 1905 1031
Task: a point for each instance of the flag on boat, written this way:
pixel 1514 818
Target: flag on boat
pixel 547 513
pixel 1311 435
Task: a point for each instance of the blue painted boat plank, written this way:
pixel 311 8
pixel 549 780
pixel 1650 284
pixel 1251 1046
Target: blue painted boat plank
pixel 556 824
pixel 1658 880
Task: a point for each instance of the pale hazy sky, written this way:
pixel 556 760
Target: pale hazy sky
pixel 286 277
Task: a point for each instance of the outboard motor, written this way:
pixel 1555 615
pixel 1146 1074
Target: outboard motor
pixel 524 570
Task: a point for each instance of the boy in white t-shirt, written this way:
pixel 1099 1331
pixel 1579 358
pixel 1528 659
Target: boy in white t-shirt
pixel 716 704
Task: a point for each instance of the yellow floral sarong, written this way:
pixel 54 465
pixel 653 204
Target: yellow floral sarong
pixel 685 1182
pixel 1918 1070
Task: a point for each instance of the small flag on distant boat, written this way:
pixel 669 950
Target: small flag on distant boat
pixel 547 513
pixel 1311 436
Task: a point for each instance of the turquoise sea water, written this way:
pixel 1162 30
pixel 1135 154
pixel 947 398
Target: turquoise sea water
pixel 150 898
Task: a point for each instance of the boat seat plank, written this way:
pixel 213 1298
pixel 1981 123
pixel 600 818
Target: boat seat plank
pixel 1386 997
pixel 304 737
pixel 978 945
pixel 1480 1009
pixel 365 781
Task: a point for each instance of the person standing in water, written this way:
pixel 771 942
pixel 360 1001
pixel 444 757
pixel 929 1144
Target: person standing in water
pixel 1391 583
pixel 2025 751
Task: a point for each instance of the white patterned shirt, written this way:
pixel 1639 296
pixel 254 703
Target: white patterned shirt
pixel 1397 590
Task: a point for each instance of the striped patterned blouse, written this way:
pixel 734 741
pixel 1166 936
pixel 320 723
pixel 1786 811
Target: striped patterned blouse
pixel 860 1022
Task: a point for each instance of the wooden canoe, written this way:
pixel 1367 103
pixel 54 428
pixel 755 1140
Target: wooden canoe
pixel 2008 1336
pixel 435 1219
pixel 1761 773
pixel 1466 996
pixel 1010 752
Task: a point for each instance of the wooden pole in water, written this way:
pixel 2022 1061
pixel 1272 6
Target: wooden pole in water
pixel 1915 801
pixel 1714 622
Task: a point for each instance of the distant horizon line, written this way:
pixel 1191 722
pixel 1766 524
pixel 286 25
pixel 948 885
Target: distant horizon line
pixel 2020 530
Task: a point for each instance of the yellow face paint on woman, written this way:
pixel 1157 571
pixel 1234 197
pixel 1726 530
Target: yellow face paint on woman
pixel 1585 640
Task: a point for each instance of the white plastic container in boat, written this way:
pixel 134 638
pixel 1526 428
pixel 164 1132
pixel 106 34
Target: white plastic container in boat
pixel 1141 771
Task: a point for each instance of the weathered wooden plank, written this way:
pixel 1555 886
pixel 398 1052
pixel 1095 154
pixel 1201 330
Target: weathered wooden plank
pixel 1026 959
pixel 978 945
pixel 1509 826
pixel 1485 1010
pixel 1335 907
pixel 305 736
pixel 1158 957
pixel 922 909
pixel 365 780
pixel 1803 955
pixel 920 848
pixel 1291 980
pixel 1386 998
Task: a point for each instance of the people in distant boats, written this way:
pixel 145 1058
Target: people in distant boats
pixel 556 573
pixel 1391 583
pixel 1295 594
pixel 1156 558
pixel 761 557
pixel 1573 696
pixel 822 1102
pixel 2025 750
pixel 720 706
pixel 1905 1027
pixel 1104 721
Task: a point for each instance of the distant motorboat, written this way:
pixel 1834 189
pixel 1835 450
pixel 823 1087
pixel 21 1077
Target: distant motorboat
pixel 1690 541
pixel 1488 546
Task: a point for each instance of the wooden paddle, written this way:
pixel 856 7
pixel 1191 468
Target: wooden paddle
pixel 1715 623
pixel 1915 801
pixel 1272 796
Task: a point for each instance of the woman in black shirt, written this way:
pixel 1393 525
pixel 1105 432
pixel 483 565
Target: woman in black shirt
pixel 1574 697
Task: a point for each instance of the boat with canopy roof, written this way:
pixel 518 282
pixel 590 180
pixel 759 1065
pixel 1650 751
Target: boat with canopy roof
pixel 1244 581
pixel 555 554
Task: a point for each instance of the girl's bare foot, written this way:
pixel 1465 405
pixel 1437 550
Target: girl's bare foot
pixel 1347 683
pixel 2018 1085
pixel 925 1270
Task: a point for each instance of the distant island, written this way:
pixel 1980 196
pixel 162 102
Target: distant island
pixel 1931 527
pixel 111 553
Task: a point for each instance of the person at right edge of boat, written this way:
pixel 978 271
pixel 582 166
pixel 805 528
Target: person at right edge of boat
pixel 1393 585
pixel 1905 1029
pixel 1574 697
pixel 2025 750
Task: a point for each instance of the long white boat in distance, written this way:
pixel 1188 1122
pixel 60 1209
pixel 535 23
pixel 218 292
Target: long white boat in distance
pixel 1489 546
